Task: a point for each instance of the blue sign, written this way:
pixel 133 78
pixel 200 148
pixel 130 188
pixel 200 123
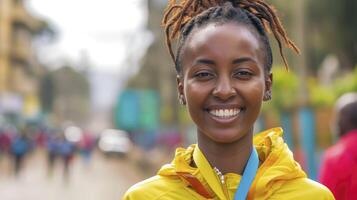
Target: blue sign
pixel 138 110
pixel 127 111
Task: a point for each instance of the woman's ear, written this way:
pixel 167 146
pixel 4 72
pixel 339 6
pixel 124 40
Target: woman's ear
pixel 268 87
pixel 180 90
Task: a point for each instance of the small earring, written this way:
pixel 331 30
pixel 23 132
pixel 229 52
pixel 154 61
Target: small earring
pixel 267 95
pixel 182 99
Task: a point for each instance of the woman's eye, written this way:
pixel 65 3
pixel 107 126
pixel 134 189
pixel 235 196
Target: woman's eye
pixel 203 75
pixel 243 74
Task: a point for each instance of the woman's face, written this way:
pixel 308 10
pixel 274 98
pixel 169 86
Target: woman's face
pixel 223 80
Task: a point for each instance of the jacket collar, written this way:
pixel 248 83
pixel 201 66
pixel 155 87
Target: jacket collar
pixel 208 174
pixel 277 166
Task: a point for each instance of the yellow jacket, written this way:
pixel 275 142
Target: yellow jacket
pixel 278 176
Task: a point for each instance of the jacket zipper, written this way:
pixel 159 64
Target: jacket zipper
pixel 225 190
pixel 222 182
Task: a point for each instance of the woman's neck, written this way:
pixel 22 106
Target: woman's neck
pixel 227 157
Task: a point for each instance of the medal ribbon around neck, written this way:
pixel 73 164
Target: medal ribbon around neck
pixel 248 176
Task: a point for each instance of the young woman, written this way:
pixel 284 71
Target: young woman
pixel 223 63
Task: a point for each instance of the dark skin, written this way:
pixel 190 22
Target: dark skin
pixel 223 82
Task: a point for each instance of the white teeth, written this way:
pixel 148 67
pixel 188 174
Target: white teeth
pixel 225 113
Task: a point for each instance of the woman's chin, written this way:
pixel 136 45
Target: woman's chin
pixel 226 137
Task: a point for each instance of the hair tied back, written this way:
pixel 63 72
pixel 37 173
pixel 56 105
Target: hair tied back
pixel 180 12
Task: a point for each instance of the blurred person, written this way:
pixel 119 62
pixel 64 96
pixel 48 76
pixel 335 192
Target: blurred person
pixel 52 144
pixel 223 63
pixel 5 144
pixel 339 164
pixel 5 141
pixel 86 146
pixel 20 146
pixel 66 150
pixel 41 137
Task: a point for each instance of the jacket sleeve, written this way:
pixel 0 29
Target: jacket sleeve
pixel 129 196
pixel 137 194
pixel 303 188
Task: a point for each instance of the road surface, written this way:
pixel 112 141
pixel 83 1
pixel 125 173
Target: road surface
pixel 102 179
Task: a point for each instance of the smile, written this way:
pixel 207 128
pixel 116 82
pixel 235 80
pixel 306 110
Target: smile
pixel 225 113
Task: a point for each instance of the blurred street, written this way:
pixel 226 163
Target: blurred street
pixel 76 85
pixel 102 178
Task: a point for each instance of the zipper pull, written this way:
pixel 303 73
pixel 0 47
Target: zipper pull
pixel 219 174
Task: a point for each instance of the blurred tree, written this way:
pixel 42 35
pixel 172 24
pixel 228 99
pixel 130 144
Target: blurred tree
pixel 157 71
pixel 47 93
pixel 332 28
pixel 283 103
pixel 71 91
pixel 347 83
pixel 320 95
pixel 46 33
pixel 285 89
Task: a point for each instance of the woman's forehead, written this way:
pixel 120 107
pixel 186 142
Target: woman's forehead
pixel 222 31
pixel 222 42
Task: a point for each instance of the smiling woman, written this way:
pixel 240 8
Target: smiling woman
pixel 223 63
pixel 223 81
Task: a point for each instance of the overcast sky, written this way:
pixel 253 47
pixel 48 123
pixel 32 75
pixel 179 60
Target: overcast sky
pixel 105 32
pixel 102 30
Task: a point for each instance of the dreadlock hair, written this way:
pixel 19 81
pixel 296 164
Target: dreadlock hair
pixel 186 15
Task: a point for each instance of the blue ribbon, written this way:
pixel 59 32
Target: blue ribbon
pixel 248 176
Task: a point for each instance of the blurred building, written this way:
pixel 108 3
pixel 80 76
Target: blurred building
pixel 158 71
pixel 19 69
pixel 71 102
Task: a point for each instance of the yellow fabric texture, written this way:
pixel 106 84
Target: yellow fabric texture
pixel 278 176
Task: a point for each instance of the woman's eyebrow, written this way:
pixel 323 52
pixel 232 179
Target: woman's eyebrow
pixel 204 61
pixel 243 59
pixel 212 62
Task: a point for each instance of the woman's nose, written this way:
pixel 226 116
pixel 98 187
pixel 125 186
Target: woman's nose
pixel 224 89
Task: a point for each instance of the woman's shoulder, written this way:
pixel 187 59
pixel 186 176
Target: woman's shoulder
pixel 153 188
pixel 303 188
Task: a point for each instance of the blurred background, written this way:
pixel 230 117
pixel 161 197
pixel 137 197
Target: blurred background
pixel 88 100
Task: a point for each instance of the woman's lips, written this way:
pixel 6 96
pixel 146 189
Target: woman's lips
pixel 224 115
